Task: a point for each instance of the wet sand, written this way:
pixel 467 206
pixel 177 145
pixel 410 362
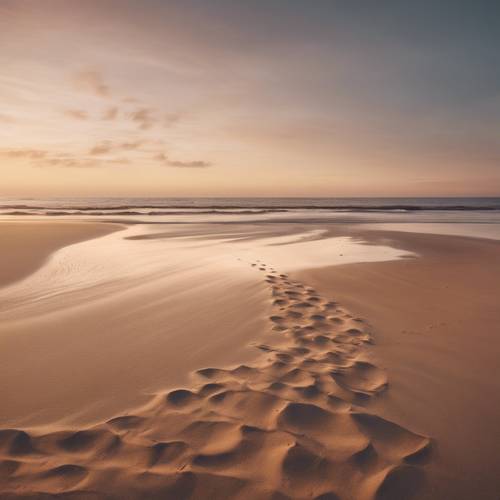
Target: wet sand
pixel 25 246
pixel 104 325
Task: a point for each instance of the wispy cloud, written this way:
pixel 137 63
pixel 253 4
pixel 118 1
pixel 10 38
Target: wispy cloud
pixel 42 158
pixel 101 148
pixel 129 146
pixel 105 147
pixel 189 164
pixel 65 160
pixel 163 159
pixel 68 162
pixel 144 118
pixel 24 153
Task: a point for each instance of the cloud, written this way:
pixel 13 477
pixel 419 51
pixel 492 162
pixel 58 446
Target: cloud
pixel 189 164
pixel 164 160
pixel 92 81
pixel 43 158
pixel 105 147
pixel 77 114
pixel 33 154
pixel 128 146
pixel 68 162
pixel 143 117
pixel 110 114
pixel 162 157
pixel 72 161
pixel 101 148
pixel 95 157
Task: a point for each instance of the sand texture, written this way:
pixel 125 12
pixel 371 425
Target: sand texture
pixel 24 247
pixel 436 319
pixel 108 322
pixel 290 425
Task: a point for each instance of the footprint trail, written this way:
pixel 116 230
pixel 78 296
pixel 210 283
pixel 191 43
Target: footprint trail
pixel 290 426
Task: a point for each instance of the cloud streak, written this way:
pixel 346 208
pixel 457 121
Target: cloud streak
pixel 102 148
pixel 189 164
pixel 33 154
pixel 163 159
pixel 42 158
pixel 129 146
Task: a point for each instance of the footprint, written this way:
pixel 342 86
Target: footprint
pixel 361 377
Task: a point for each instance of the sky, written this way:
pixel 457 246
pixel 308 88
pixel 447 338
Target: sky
pixel 249 98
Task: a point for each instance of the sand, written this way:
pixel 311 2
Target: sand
pixel 348 392
pixel 286 426
pixel 24 247
pixel 107 323
pixel 436 323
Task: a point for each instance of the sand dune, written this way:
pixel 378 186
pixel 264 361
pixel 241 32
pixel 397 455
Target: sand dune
pixel 290 425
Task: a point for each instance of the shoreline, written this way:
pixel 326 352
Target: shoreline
pixel 82 353
pixel 27 245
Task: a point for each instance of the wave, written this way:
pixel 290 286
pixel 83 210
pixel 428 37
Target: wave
pixel 108 212
pixel 186 206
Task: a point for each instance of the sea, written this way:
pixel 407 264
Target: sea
pixel 477 216
pixel 174 206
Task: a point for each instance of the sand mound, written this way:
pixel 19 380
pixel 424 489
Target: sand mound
pixel 286 427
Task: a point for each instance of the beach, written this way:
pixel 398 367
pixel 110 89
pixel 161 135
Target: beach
pixel 435 320
pixel 26 246
pixel 247 360
pixel 249 250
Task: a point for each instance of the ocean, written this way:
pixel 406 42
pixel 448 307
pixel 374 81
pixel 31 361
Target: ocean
pixel 479 217
pixel 180 206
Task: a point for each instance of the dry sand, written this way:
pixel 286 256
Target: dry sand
pixel 436 320
pixel 314 415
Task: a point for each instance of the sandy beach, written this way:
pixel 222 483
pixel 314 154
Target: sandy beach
pixel 435 319
pixel 25 247
pixel 235 361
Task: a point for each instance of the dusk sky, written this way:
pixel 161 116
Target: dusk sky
pixel 249 98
